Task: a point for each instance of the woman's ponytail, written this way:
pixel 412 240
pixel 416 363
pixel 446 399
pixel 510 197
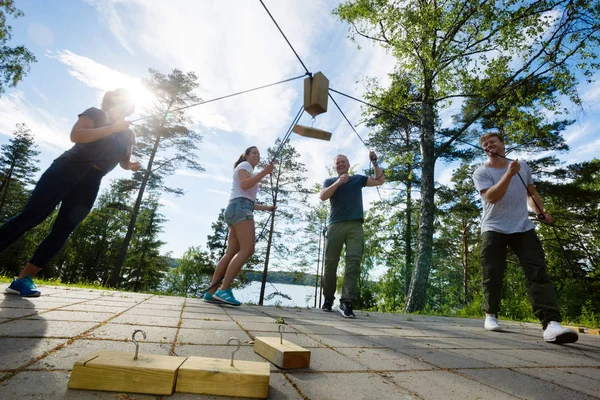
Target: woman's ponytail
pixel 239 161
pixel 244 156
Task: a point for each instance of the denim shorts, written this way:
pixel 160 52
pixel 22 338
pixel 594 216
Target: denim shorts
pixel 238 210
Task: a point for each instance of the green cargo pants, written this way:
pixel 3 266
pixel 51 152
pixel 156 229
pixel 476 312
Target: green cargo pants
pixel 351 234
pixel 527 247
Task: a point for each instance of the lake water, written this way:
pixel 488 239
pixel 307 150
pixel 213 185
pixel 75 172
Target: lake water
pixel 301 296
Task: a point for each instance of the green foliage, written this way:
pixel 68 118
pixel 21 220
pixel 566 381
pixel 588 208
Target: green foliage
pixel 14 61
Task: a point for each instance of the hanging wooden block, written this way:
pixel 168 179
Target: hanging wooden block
pixel 316 91
pixel 119 372
pixel 222 377
pixel 126 372
pixel 311 132
pixel 281 352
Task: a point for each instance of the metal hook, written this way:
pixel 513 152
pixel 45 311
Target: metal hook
pixel 313 122
pixel 137 346
pixel 281 330
pixel 239 344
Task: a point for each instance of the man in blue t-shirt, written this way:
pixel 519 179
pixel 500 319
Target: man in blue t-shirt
pixel 345 227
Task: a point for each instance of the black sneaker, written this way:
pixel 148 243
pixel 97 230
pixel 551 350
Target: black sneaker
pixel 327 305
pixel 346 310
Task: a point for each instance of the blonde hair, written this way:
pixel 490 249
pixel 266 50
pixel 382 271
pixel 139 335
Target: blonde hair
pixel 488 135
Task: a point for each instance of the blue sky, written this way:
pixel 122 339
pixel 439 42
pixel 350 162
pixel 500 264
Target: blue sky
pixel 85 47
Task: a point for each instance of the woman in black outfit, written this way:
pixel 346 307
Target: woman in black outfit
pixel 102 140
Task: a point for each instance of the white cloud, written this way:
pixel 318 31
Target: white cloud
pixel 101 77
pixel 46 128
pixel 203 175
pixel 219 192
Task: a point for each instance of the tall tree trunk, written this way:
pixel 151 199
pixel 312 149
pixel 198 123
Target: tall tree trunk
pixel 5 185
pixel 115 278
pixel 465 252
pixel 417 293
pixel 263 283
pixel 408 226
pixel 318 263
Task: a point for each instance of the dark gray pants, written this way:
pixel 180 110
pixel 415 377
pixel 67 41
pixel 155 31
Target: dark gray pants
pixel 351 234
pixel 527 247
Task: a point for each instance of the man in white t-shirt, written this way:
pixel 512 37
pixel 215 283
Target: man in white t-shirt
pixel 506 188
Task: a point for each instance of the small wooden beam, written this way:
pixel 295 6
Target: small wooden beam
pixel 215 376
pixel 282 353
pixel 311 132
pixel 119 372
pixel 316 91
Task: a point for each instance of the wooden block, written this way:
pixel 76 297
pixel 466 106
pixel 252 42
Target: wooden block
pixel 311 132
pixel 119 372
pixel 284 355
pixel 593 331
pixel 204 375
pixel 316 91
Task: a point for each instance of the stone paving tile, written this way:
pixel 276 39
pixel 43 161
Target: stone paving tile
pixel 72 316
pixel 43 328
pixel 65 357
pixel 327 360
pixel 142 312
pixel 564 378
pixel 355 386
pixel 255 318
pixel 266 326
pixel 94 308
pixel 47 385
pixel 551 358
pixel 103 303
pixel 299 339
pixel 522 386
pixel 347 340
pixel 279 389
pixel 500 358
pixel 378 331
pixel 124 332
pixel 318 329
pixel 209 324
pixel 10 313
pixel 445 385
pixel 204 336
pixel 152 320
pixel 18 352
pixel 592 373
pixel 384 359
pixel 444 359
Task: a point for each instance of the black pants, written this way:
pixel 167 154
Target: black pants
pixel 73 184
pixel 527 247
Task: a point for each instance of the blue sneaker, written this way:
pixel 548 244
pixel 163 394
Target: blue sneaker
pixel 23 287
pixel 226 296
pixel 208 298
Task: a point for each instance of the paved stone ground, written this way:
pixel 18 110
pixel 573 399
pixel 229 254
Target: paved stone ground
pixel 375 356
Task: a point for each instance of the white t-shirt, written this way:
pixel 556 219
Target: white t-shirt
pixel 509 215
pixel 236 190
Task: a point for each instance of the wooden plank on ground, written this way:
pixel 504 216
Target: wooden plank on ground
pixel 215 376
pixel 282 353
pixel 119 372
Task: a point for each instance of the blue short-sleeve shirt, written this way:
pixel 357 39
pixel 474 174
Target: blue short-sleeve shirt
pixel 346 202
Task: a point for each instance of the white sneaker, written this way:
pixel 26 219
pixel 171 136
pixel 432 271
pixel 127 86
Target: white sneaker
pixel 555 333
pixel 491 323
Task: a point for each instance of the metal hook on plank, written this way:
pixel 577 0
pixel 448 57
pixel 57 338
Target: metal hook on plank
pixel 137 345
pixel 239 344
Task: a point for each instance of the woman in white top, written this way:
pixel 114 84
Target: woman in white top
pixel 239 216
